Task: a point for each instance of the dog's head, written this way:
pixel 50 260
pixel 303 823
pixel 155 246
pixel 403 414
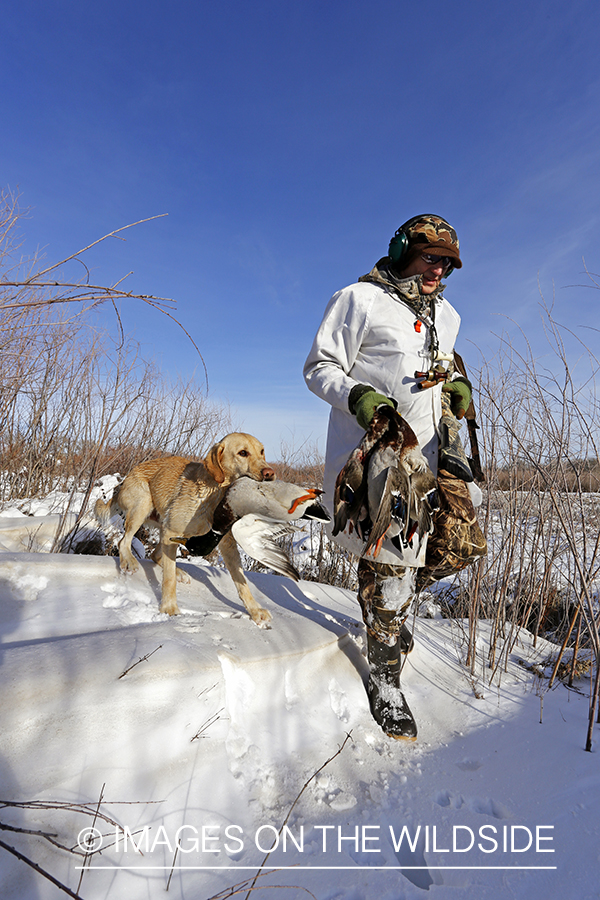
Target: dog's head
pixel 235 455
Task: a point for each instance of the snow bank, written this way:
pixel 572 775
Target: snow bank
pixel 209 741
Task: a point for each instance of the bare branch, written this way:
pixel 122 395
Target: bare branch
pixel 141 659
pixel 37 275
pixel 290 810
pixel 40 871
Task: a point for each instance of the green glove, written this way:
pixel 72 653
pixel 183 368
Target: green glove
pixel 363 401
pixel 460 391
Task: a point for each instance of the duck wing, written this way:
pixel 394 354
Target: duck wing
pixel 391 497
pixel 424 500
pixel 422 503
pixel 257 537
pixel 349 491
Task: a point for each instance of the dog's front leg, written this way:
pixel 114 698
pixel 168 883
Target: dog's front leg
pixel 169 579
pixel 231 558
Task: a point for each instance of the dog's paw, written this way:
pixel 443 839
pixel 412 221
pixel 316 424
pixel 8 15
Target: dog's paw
pixel 128 567
pixel 171 609
pixel 183 577
pixel 262 617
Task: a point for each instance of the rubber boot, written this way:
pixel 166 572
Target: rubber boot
pixel 388 705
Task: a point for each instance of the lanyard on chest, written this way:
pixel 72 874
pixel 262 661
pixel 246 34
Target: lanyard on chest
pixel 436 372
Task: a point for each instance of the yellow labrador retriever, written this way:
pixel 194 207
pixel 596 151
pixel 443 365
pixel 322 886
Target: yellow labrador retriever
pixel 182 496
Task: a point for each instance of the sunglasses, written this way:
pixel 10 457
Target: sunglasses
pixel 433 260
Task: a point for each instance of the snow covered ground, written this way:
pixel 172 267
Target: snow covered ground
pixel 207 743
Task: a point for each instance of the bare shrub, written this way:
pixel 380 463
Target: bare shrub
pixel 77 401
pixel 302 465
pixel 539 436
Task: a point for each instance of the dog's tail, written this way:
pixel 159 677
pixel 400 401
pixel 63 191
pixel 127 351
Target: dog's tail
pixel 104 510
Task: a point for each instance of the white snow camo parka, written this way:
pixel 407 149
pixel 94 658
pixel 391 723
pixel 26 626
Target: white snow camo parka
pixel 368 336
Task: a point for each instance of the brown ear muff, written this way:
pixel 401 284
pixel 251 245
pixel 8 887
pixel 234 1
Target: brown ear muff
pixel 213 463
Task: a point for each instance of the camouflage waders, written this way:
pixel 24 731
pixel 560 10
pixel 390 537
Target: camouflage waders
pixel 385 593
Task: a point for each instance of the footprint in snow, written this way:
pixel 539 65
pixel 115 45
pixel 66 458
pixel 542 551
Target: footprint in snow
pixel 484 806
pixel 469 765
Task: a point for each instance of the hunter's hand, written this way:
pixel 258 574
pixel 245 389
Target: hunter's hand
pixel 363 401
pixel 460 391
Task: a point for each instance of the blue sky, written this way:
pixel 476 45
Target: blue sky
pixel 287 142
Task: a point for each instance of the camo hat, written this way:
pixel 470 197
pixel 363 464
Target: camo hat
pixel 430 234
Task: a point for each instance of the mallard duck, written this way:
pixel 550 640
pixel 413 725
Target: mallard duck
pixel 396 494
pixel 350 495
